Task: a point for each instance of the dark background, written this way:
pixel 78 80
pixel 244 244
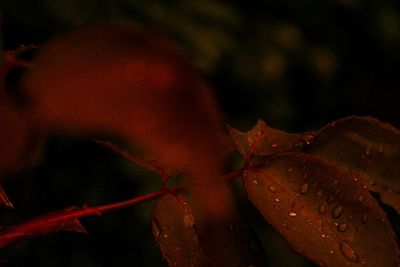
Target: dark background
pixel 295 64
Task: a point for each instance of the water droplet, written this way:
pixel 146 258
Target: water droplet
pixel 320 193
pixel 368 151
pixel 155 229
pixel 165 235
pixel 274 145
pixel 304 188
pixel 360 198
pixel 342 227
pixel 330 199
pixel 336 181
pixel 365 186
pixel 323 236
pixel 272 188
pixel 330 251
pixel 348 252
pixel 350 217
pixel 188 219
pixel 322 209
pixel 292 213
pixel 290 169
pixel 337 212
pixel 177 248
pixel 380 149
pixel 364 218
pixel 308 138
pixel 254 182
pixel 277 199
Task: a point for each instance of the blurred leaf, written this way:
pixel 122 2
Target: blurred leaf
pixel 187 238
pixel 321 211
pixel 13 136
pixel 127 81
pixel 365 146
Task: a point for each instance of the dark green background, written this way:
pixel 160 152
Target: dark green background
pixel 295 64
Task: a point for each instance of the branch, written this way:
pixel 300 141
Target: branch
pixel 66 219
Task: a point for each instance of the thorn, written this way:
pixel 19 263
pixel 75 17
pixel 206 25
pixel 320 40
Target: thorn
pixel 4 198
pixel 75 226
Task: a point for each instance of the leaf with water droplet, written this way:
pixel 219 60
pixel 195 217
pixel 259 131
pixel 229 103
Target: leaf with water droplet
pixel 316 223
pixel 265 141
pixel 368 147
pixel 176 223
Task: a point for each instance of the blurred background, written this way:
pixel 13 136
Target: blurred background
pixel 295 64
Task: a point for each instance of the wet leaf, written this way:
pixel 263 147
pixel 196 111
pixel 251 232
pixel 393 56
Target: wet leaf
pixel 365 146
pixel 322 211
pixel 265 141
pixel 188 238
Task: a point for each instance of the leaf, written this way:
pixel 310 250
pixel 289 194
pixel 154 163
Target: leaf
pixel 368 147
pixel 14 137
pixel 144 161
pixel 127 82
pixel 321 211
pixel 265 141
pixel 187 238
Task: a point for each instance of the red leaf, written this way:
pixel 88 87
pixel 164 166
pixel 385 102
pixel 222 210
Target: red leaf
pixel 132 83
pixel 265 141
pixel 368 147
pixel 322 212
pixel 186 237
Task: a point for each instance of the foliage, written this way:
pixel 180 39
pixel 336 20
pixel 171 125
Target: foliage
pixel 312 187
pixel 279 61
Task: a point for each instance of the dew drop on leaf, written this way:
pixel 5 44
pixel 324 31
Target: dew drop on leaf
pixel 337 212
pixel 272 188
pixel 364 218
pixel 350 217
pixel 322 209
pixel 342 227
pixel 304 188
pixel 155 229
pixel 188 219
pixel 292 213
pixel 348 252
